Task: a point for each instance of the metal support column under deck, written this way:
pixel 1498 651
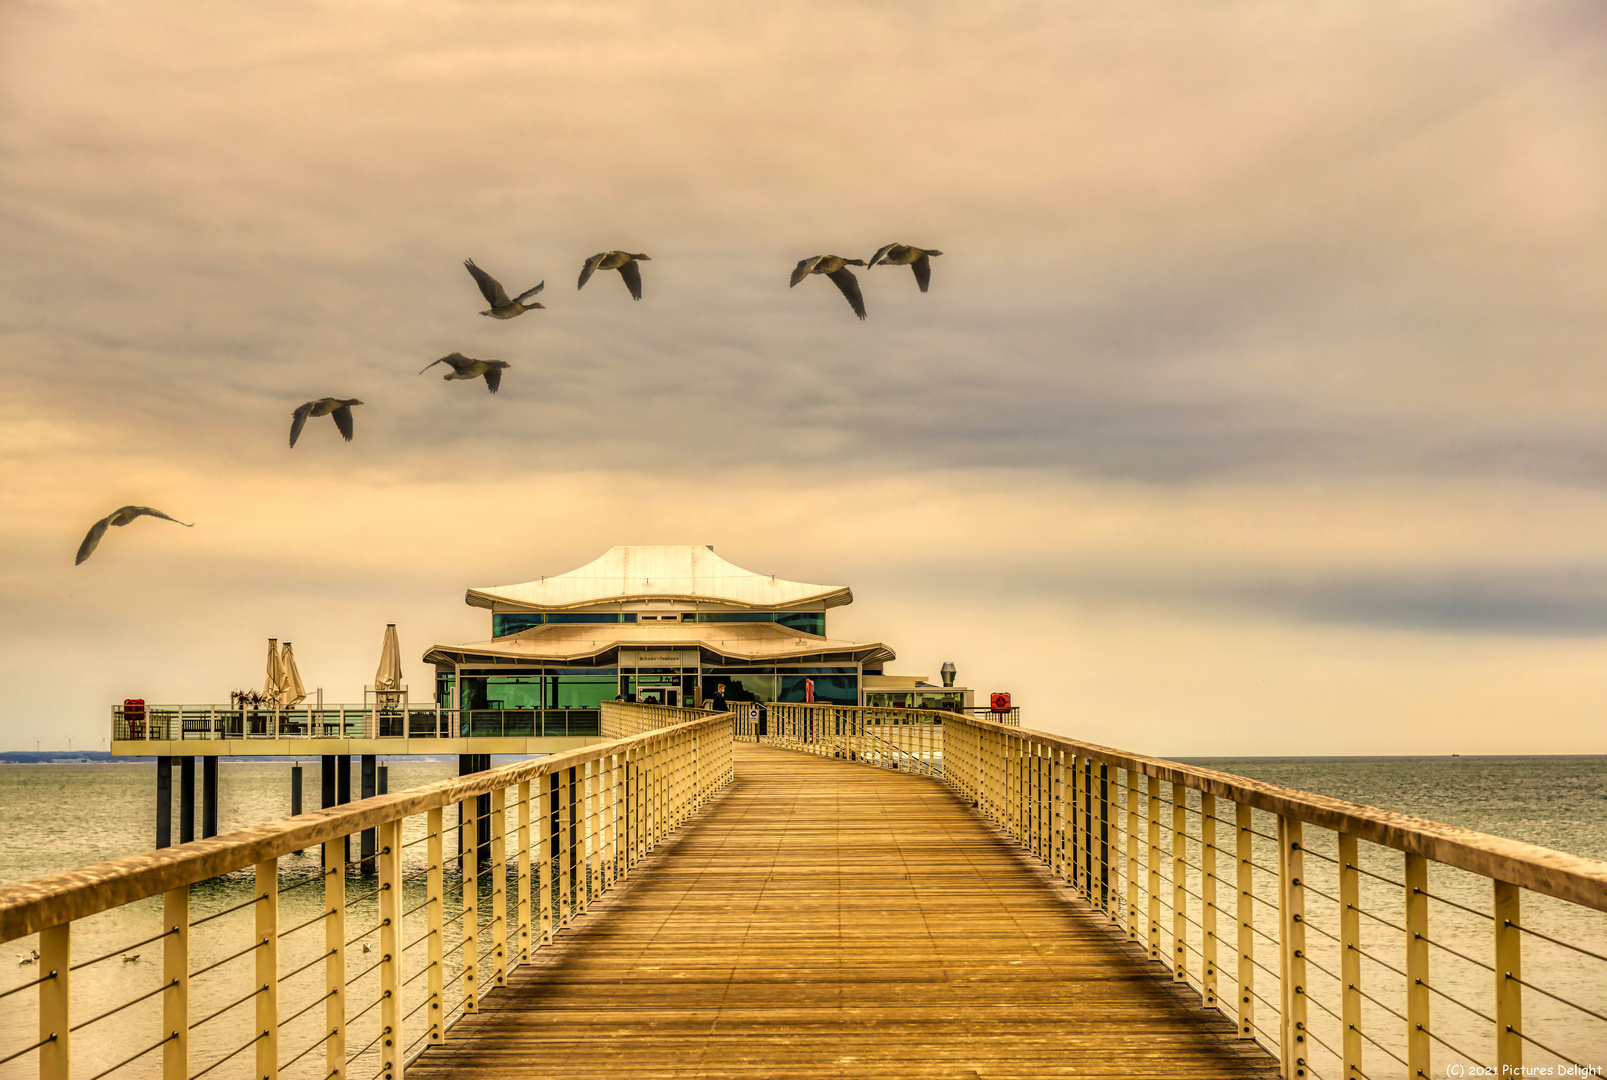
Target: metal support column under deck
pixel 209 796
pixel 370 782
pixel 164 802
pixel 186 799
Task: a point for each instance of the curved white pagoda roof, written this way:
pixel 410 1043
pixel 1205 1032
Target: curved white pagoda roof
pixel 658 572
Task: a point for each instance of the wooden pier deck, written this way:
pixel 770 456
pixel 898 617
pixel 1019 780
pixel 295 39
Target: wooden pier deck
pixel 827 919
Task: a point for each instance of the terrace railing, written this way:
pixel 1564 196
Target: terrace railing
pixel 358 721
pixel 258 944
pixel 1350 941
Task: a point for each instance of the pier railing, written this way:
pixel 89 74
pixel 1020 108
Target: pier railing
pixel 1350 941
pixel 257 941
pixel 355 721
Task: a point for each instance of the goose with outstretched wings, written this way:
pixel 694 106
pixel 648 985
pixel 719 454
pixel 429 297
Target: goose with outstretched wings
pixel 121 516
pixel 623 261
pixel 836 268
pixel 339 408
pixel 497 296
pixel 917 259
pixel 465 368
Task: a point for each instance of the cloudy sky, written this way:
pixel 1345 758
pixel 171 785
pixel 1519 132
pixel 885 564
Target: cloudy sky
pixel 1257 406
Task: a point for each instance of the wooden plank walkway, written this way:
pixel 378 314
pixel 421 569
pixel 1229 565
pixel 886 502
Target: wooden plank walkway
pixel 828 919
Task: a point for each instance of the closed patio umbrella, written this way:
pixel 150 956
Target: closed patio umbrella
pixel 291 692
pixel 389 676
pixel 274 685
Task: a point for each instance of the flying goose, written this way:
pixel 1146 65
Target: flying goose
pixel 836 268
pixel 340 407
pixel 917 259
pixel 501 306
pixel 119 517
pixel 623 261
pixel 465 368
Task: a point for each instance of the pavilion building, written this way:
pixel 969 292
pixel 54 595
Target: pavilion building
pixel 664 624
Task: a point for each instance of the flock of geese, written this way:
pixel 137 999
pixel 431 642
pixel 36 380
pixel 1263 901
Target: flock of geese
pixel 466 368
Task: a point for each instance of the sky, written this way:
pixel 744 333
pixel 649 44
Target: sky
pixel 1257 405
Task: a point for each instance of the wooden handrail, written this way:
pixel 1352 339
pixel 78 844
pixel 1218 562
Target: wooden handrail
pixel 1543 870
pixel 31 906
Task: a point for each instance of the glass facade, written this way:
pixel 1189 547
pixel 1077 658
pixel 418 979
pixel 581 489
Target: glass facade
pixel 503 625
pixel 808 622
pixel 829 689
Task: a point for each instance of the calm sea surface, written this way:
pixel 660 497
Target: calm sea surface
pixel 64 816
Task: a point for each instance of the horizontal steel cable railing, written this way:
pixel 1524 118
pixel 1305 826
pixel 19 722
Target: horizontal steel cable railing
pixel 268 963
pixel 1350 941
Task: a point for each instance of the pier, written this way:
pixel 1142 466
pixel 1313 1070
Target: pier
pixel 826 891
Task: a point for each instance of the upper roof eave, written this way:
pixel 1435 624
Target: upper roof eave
pixel 674 573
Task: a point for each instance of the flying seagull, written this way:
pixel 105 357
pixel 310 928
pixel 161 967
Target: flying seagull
pixel 497 297
pixel 623 261
pixel 465 368
pixel 340 407
pixel 836 268
pixel 917 259
pixel 118 517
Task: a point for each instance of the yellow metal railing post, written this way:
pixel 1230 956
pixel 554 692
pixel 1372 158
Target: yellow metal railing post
pixel 1152 789
pixel 1180 896
pixel 523 872
pixel 388 836
pixel 1057 844
pixel 544 853
pixel 1245 914
pixel 1508 990
pixel 1208 895
pixel 1350 957
pixel 55 1002
pixel 564 854
pixel 1417 980
pixel 1292 948
pixel 435 922
pixel 499 886
pixel 1134 845
pixel 335 957
pixel 176 978
pixel 267 884
pixel 469 843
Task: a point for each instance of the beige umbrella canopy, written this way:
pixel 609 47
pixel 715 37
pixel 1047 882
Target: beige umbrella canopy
pixel 389 676
pixel 291 692
pixel 274 685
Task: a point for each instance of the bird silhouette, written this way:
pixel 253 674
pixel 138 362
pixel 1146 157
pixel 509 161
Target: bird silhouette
pixel 129 958
pixel 623 261
pixel 497 297
pixel 340 408
pixel 465 368
pixel 836 268
pixel 917 259
pixel 121 516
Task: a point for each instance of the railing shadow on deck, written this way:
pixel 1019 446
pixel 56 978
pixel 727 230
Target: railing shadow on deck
pixel 1351 942
pixel 442 920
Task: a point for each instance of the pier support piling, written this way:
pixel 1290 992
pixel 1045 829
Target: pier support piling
pixel 164 802
pixel 343 791
pixel 473 763
pixel 186 799
pixel 370 779
pixel 209 797
pixel 295 792
pixel 326 784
